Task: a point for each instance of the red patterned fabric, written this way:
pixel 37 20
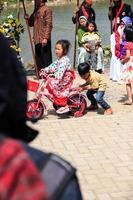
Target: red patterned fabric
pixel 19 178
pixel 60 90
pixel 117 36
pixel 129 46
pixel 86 14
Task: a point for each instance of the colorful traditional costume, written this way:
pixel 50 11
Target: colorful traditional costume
pixel 60 85
pixel 127 70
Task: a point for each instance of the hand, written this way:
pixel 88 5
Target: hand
pixel 80 89
pixel 26 16
pixel 42 74
pixel 122 61
pixel 75 11
pixel 110 5
pixel 44 42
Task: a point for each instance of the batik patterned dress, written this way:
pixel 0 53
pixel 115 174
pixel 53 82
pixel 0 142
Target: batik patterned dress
pixel 127 69
pixel 60 85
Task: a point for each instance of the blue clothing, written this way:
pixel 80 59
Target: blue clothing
pixel 99 98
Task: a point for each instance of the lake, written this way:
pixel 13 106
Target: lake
pixel 63 28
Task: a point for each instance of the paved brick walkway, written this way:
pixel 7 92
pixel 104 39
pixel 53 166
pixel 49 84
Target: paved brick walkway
pixel 100 147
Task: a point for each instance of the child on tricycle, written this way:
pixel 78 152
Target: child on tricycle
pixel 59 78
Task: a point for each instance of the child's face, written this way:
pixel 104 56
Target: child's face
pixel 85 76
pixel 82 22
pixel 58 51
pixel 91 27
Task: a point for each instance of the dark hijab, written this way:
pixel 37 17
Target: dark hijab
pixel 13 95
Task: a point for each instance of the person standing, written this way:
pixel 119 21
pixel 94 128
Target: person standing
pixel 117 11
pixel 41 21
pixel 86 10
pixel 127 61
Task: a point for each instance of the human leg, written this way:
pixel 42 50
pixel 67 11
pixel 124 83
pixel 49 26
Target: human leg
pixel 100 64
pixel 38 56
pixel 90 95
pixel 82 54
pixel 93 60
pixel 103 103
pixel 129 94
pixel 47 54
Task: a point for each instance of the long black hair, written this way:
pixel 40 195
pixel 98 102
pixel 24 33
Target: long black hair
pixel 129 33
pixel 65 46
pixel 94 24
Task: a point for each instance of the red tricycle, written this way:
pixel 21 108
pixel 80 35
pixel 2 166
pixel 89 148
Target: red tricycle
pixel 37 106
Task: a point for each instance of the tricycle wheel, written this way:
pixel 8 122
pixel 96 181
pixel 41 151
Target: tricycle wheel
pixel 77 104
pixel 34 110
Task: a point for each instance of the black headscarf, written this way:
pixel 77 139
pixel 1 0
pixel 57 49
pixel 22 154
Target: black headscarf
pixel 13 95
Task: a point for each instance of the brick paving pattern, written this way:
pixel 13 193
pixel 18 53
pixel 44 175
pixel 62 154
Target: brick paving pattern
pixel 99 146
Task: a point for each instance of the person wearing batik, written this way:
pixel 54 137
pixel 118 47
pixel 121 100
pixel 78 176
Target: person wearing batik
pixel 116 12
pixel 125 21
pixel 115 63
pixel 127 61
pixel 41 21
pixel 62 76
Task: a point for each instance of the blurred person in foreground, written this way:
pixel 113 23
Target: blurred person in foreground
pixel 25 171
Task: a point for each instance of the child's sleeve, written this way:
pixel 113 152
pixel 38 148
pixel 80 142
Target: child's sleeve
pixel 51 68
pixel 83 38
pixel 63 65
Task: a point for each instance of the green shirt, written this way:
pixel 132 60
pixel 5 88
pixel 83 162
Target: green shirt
pixel 80 34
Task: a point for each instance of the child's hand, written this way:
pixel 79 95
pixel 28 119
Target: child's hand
pixel 80 89
pixel 42 73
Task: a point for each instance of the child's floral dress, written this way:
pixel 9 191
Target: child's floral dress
pixel 127 69
pixel 59 86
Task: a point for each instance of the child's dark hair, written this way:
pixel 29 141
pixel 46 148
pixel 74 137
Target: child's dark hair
pixel 94 24
pixel 65 45
pixel 129 33
pixel 83 68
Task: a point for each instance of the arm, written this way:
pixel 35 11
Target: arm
pixel 75 13
pixel 48 28
pixel 63 65
pixel 48 70
pixel 86 86
pixel 87 47
pixel 111 12
pixel 93 18
pixel 127 57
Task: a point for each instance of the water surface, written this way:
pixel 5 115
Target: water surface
pixel 63 28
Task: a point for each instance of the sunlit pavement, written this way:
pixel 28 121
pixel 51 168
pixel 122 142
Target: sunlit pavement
pixel 99 146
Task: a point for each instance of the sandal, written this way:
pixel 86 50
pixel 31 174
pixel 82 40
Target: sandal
pixel 63 110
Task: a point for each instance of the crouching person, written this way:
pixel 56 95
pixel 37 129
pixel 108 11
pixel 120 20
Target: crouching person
pixel 95 84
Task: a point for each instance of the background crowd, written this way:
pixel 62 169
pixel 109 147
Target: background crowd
pixel 24 170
